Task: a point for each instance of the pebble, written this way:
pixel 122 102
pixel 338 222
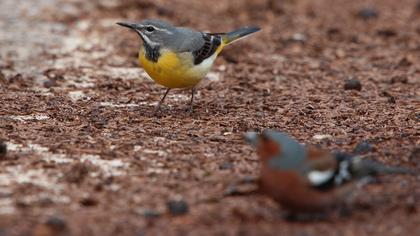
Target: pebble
pixel 56 223
pixel 2 77
pixel 410 205
pixel 363 148
pixel 322 136
pixel 217 138
pixel 177 207
pixel 3 149
pixel 77 173
pixel 387 32
pixel 399 79
pixel 49 83
pixel 226 166
pixel 368 13
pixel 298 37
pixel 53 226
pixel 150 213
pixel 405 61
pixel 415 155
pixel 353 84
pixel 392 100
pixel 88 201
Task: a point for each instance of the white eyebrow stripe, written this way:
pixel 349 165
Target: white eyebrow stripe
pixel 161 29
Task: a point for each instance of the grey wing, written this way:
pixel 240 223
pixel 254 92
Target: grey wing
pixel 188 40
pixel 211 44
pixel 201 45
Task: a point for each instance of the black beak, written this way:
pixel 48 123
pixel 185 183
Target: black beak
pixel 128 25
pixel 136 27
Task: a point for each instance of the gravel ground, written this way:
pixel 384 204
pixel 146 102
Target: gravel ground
pixel 87 156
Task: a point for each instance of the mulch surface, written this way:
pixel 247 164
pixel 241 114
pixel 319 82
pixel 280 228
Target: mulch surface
pixel 86 155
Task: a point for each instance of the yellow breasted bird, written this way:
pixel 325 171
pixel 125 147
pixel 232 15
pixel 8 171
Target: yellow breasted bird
pixel 178 57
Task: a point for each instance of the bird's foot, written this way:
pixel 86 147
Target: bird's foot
pixel 190 109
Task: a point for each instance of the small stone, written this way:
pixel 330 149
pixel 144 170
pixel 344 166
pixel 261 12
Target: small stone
pixel 177 207
pixel 410 205
pixel 392 100
pixel 276 6
pixel 77 172
pixel 217 138
pixel 399 79
pixel 56 223
pixel 52 227
pixel 88 201
pixel 231 190
pixel 333 31
pixel 3 149
pixel 299 37
pixel 353 84
pixel 363 148
pixel 49 83
pixel 405 61
pixel 164 11
pixel 322 136
pixel 280 78
pixel 2 77
pixel 150 213
pixel 415 155
pixel 367 13
pixel 226 166
pixel 387 32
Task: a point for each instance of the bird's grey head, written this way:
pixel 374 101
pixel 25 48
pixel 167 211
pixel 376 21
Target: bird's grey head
pixel 153 32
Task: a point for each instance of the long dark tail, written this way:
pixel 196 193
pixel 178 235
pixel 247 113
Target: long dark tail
pixel 238 34
pixel 369 167
pixel 361 167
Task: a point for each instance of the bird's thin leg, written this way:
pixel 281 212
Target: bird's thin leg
pixel 161 100
pixel 192 99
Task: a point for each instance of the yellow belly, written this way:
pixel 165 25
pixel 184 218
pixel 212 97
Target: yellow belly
pixel 175 71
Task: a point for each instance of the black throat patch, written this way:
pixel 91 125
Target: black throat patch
pixel 152 52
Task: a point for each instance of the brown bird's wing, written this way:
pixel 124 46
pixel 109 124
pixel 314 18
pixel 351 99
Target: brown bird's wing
pixel 320 159
pixel 321 169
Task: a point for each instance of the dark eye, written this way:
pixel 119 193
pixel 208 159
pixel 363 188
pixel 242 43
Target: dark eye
pixel 150 29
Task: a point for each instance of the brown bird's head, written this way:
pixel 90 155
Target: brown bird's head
pixel 266 146
pixel 280 150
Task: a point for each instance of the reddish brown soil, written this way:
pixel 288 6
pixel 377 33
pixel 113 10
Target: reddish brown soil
pixel 88 157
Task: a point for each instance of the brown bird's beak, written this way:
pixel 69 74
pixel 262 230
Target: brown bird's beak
pixel 252 138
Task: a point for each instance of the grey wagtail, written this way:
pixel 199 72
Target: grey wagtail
pixel 178 57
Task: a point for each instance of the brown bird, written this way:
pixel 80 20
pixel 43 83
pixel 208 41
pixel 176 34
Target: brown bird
pixel 307 179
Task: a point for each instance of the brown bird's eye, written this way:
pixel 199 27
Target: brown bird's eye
pixel 150 29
